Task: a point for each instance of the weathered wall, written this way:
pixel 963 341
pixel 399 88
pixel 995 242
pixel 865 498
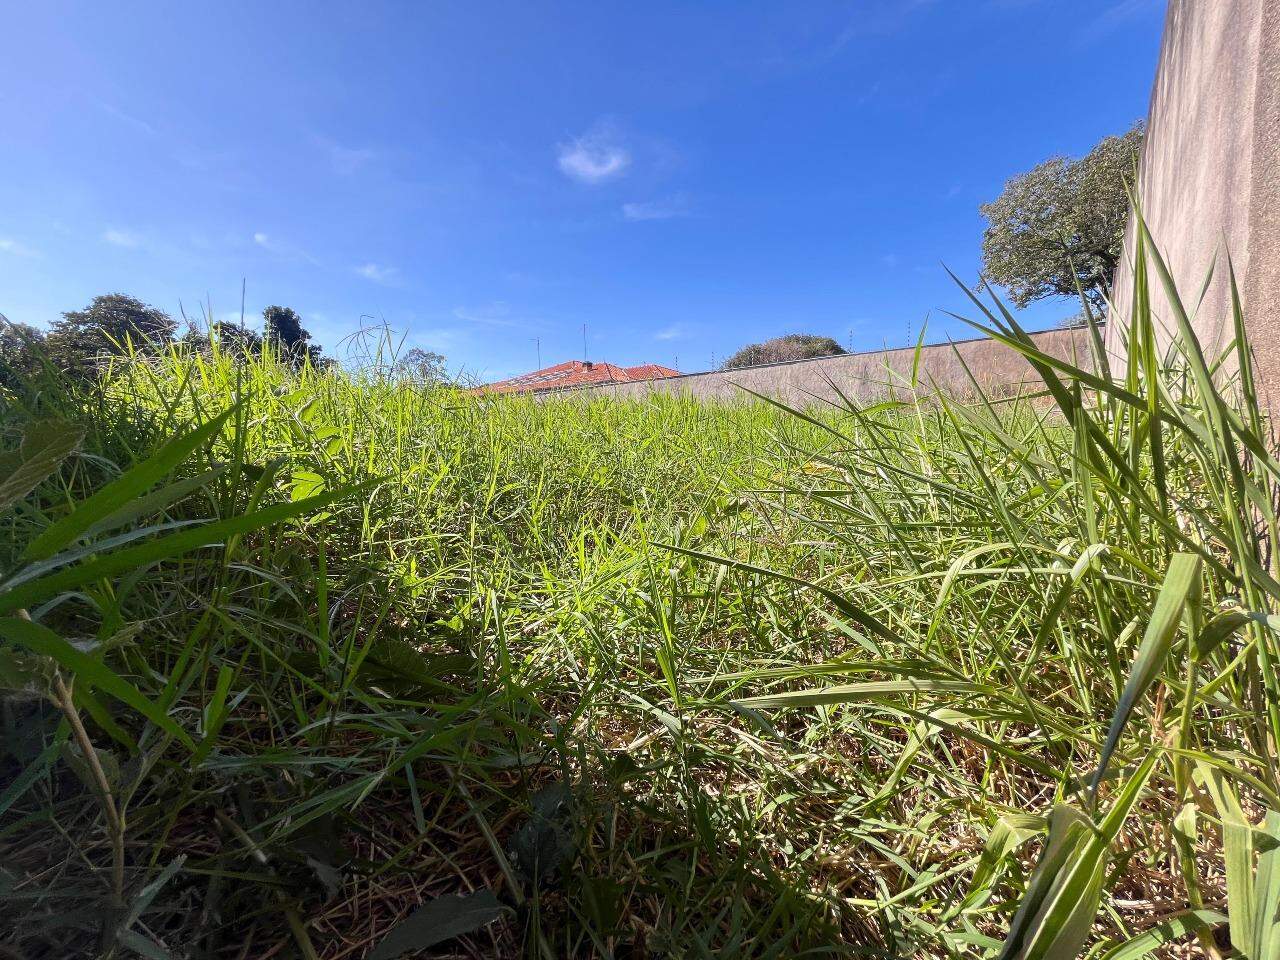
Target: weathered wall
pixel 1209 178
pixel 997 368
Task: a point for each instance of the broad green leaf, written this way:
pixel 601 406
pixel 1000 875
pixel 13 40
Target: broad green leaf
pixel 1069 831
pixel 1237 844
pixel 1060 904
pixel 1179 580
pixel 437 921
pixel 1166 931
pixel 24 673
pixel 139 557
pixel 851 692
pixel 1266 888
pixel 1218 628
pixel 406 662
pixel 45 444
pixel 153 502
pixel 74 758
pixel 116 494
pixel 1009 833
pixel 40 639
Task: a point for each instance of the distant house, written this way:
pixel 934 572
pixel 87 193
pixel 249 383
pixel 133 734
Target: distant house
pixel 577 373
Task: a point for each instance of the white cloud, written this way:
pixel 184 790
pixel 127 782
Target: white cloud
pixel 1117 15
pixel 130 119
pixel 282 248
pixel 345 160
pixel 890 260
pixel 594 157
pixel 656 209
pixel 494 314
pixel 675 331
pixel 13 247
pixel 121 238
pixel 376 273
pixel 439 339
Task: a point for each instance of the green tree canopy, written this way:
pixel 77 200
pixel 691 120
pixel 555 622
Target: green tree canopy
pixel 20 353
pixel 110 325
pixel 233 338
pixel 794 346
pixel 424 366
pixel 282 328
pixel 1062 222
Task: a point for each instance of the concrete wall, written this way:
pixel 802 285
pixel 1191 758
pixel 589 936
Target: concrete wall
pixel 1209 178
pixel 997 368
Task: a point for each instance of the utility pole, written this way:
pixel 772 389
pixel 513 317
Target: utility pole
pixel 584 343
pixel 537 343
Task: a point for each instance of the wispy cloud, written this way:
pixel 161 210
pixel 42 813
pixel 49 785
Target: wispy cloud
pixel 14 248
pixel 873 18
pixel 136 122
pixel 345 160
pixel 121 238
pixel 596 156
pixel 656 209
pixel 890 260
pixel 675 331
pixel 282 248
pixel 439 339
pixel 496 313
pixel 377 272
pixel 1117 15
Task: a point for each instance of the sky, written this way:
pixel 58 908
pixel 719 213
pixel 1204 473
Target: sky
pixel 487 178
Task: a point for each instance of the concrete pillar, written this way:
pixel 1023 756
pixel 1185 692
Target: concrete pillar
pixel 1209 177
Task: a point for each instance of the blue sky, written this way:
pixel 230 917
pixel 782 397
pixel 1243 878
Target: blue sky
pixel 683 178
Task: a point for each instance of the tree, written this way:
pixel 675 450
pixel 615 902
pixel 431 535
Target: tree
pixel 233 338
pixel 1062 222
pixel 424 366
pixel 111 325
pixel 20 353
pixel 794 346
pixel 282 329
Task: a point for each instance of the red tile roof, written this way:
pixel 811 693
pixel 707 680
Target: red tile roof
pixel 577 373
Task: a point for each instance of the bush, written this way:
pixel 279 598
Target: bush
pixel 794 346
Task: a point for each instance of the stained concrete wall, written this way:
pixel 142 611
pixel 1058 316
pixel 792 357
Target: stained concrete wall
pixel 998 369
pixel 1209 177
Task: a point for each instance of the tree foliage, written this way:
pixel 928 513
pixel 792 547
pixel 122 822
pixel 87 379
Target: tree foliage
pixel 20 353
pixel 282 328
pixel 1062 222
pixel 233 338
pixel 116 324
pixel 423 366
pixel 794 346
pixel 113 324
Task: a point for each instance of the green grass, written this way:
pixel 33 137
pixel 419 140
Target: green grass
pixel 663 678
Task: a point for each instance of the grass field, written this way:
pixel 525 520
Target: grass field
pixel 298 658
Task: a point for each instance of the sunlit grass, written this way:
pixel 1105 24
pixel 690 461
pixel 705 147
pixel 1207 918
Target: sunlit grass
pixel 667 678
